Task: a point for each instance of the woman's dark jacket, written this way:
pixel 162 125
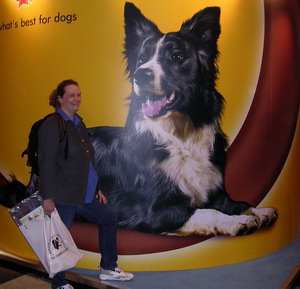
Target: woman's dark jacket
pixel 64 179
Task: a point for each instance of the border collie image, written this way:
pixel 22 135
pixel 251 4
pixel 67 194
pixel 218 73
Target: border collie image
pixel 163 172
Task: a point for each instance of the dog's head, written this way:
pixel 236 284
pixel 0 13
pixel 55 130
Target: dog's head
pixel 173 71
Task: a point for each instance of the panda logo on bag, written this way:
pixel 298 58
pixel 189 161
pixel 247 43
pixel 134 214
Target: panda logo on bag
pixel 56 243
pixel 56 246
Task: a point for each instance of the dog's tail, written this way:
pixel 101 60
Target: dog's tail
pixel 11 191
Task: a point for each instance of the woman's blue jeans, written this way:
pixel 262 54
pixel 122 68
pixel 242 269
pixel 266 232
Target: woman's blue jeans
pixel 106 218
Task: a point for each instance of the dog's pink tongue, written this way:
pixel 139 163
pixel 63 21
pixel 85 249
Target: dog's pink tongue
pixel 152 108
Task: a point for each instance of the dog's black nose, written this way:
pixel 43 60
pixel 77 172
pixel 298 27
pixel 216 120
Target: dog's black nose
pixel 143 76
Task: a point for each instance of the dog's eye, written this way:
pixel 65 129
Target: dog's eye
pixel 177 57
pixel 142 59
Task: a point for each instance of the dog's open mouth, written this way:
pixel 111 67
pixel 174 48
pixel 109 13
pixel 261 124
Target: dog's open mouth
pixel 154 107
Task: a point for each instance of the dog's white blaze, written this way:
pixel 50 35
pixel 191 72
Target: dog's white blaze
pixel 136 88
pixel 156 69
pixel 188 164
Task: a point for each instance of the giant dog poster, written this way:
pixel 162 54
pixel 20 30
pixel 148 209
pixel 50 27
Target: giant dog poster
pixel 138 66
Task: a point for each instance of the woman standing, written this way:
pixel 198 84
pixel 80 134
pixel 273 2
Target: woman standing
pixel 68 181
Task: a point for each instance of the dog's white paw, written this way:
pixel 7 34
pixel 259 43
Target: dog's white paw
pixel 265 216
pixel 238 225
pixel 212 222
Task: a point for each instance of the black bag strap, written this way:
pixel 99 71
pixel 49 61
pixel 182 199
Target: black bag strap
pixel 62 132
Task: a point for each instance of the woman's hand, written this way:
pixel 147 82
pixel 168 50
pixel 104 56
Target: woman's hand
pixel 48 206
pixel 101 198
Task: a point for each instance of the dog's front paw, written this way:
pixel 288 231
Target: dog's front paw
pixel 265 216
pixel 213 222
pixel 240 225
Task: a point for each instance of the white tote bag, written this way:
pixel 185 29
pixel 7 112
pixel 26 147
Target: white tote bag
pixel 48 237
pixel 60 252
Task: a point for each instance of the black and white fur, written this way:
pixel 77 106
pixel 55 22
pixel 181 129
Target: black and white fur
pixel 164 171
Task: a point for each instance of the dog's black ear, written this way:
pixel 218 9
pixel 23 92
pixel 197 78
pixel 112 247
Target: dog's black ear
pixel 204 28
pixel 137 28
pixel 205 24
pixel 136 24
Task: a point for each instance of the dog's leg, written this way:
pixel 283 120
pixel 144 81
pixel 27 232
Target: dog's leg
pixel 213 222
pixel 265 216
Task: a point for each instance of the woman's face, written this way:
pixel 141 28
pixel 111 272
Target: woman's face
pixel 71 100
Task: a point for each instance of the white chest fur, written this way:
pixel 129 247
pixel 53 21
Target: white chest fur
pixel 188 164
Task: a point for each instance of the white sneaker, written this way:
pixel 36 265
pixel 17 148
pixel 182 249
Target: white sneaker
pixel 67 286
pixel 116 274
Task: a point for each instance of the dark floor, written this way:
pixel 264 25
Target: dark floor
pixel 10 270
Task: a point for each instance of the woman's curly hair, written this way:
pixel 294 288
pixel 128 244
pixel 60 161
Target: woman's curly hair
pixel 60 91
